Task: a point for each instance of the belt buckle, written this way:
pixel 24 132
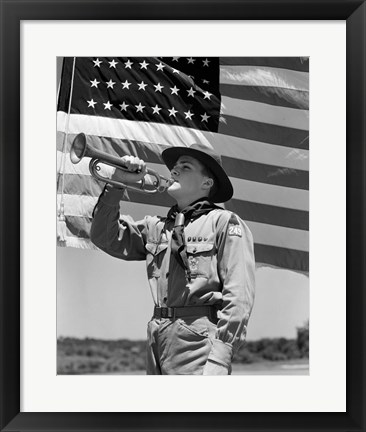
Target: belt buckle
pixel 166 312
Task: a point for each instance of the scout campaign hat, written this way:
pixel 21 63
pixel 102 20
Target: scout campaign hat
pixel 210 159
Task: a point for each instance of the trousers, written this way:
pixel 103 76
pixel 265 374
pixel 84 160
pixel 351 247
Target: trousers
pixel 179 346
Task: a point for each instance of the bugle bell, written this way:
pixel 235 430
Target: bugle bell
pixel 80 149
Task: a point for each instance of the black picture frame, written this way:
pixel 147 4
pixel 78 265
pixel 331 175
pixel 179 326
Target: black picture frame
pixel 12 12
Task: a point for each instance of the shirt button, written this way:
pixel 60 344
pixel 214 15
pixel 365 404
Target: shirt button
pixel 194 239
pixel 167 275
pixel 199 238
pixel 165 299
pixel 189 238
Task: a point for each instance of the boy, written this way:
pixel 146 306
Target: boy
pixel 200 263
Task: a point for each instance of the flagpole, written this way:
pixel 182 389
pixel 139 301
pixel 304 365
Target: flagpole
pixel 61 221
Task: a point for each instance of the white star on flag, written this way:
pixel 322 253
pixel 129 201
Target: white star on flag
pixel 97 62
pixel 176 71
pixel 176 58
pixel 139 107
pixel 142 85
pixel 112 64
pixel 126 85
pixel 128 64
pixel 91 103
pixel 207 95
pixel 144 65
pixel 160 66
pixel 205 117
pixel 174 90
pixel 95 83
pixel 206 62
pixel 156 109
pixel 107 105
pixel 189 115
pixel 191 60
pixel 110 83
pixel 158 87
pixel 172 112
pixel 123 106
pixel 191 92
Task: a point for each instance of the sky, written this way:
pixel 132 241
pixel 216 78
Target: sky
pixel 103 297
pixel 99 296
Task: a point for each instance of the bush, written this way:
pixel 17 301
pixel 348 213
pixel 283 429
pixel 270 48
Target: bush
pixel 303 339
pixel 270 354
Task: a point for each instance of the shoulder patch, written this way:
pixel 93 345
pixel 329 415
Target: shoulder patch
pixel 234 226
pixel 233 220
pixel 234 230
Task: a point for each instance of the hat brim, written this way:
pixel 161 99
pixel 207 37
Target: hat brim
pixel 224 187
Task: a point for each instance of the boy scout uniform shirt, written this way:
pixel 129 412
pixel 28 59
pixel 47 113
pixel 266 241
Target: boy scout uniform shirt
pixel 220 255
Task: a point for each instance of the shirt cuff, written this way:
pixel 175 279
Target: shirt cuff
pixel 221 353
pixel 112 196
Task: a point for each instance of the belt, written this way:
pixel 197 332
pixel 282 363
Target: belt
pixel 180 312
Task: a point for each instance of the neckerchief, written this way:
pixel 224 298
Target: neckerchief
pixel 190 213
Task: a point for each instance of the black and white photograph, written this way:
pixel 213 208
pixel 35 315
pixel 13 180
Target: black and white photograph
pixel 182 215
pixel 182 194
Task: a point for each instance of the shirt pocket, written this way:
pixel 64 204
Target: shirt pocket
pixel 200 258
pixel 154 258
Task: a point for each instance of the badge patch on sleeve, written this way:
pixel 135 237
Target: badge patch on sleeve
pixel 234 230
pixel 234 227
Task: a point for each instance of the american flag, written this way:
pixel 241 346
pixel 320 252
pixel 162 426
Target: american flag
pixel 253 111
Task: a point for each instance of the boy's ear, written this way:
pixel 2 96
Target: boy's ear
pixel 208 182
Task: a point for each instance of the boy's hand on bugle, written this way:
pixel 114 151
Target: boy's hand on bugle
pixel 134 170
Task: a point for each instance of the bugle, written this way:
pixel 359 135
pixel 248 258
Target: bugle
pixel 80 149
